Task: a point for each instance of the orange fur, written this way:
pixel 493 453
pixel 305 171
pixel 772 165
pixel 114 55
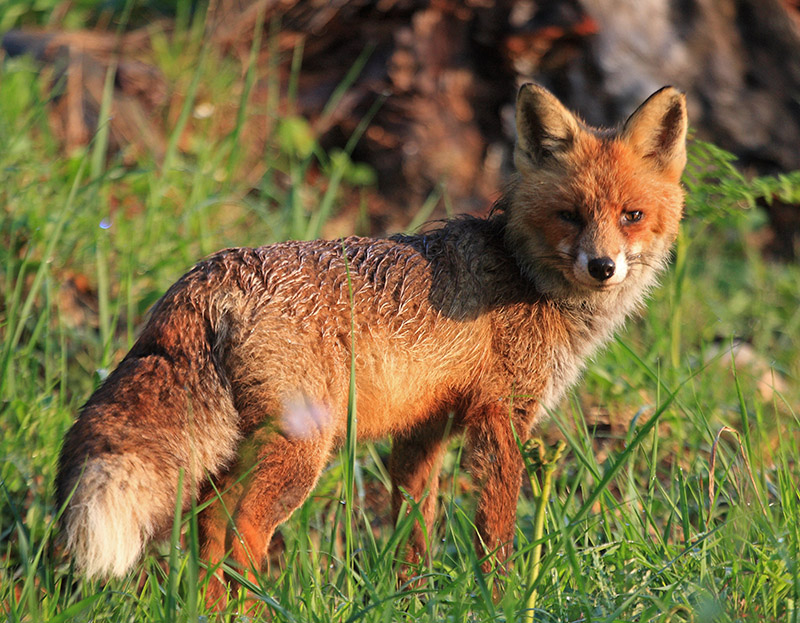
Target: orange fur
pixel 477 327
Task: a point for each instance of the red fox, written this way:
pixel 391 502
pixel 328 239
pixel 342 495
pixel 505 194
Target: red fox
pixel 477 327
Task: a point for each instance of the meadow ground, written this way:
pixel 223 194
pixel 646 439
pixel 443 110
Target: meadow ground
pixel 677 496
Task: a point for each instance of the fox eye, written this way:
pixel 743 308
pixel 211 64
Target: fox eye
pixel 632 216
pixel 569 217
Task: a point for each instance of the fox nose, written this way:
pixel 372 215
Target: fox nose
pixel 601 268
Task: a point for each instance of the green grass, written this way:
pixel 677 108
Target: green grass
pixel 631 532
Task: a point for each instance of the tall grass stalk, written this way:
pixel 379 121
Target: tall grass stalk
pixel 98 156
pixel 545 462
pixel 350 451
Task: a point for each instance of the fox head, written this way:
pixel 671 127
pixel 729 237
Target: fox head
pixel 595 211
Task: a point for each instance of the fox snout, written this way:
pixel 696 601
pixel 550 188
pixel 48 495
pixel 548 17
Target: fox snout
pixel 598 270
pixel 601 268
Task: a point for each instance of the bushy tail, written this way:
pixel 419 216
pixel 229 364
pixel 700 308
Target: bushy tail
pixel 118 505
pixel 167 408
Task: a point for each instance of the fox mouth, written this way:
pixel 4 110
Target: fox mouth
pixel 593 284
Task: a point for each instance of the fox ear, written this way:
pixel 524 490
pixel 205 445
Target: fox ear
pixel 657 131
pixel 544 126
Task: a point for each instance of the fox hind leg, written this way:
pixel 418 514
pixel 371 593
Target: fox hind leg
pixel 222 499
pixel 273 477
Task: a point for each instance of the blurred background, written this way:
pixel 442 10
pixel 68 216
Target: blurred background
pixel 428 86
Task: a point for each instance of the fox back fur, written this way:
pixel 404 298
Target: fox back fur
pixel 477 327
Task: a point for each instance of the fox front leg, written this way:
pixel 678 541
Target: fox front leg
pixel 414 469
pixel 497 466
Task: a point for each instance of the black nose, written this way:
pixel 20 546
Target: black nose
pixel 601 268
